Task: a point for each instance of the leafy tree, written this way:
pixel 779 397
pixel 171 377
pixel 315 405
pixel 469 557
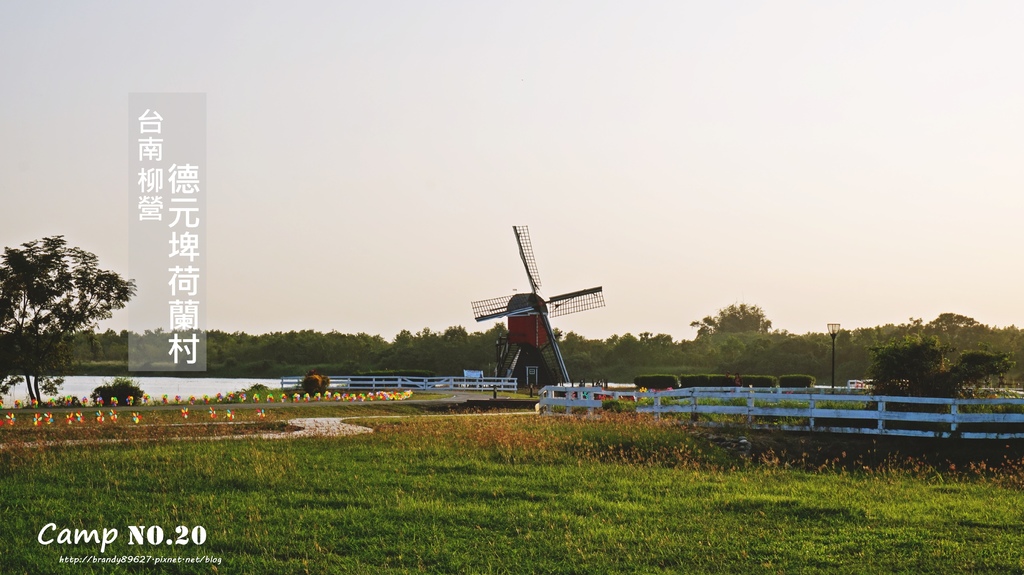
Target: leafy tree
pixel 739 318
pixel 48 292
pixel 977 366
pixel 916 366
pixel 912 366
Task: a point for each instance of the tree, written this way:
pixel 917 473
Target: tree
pixel 916 366
pixel 977 366
pixel 911 365
pixel 734 319
pixel 48 292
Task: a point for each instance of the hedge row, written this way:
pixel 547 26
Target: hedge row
pixel 656 381
pixel 795 380
pixel 705 380
pixel 721 380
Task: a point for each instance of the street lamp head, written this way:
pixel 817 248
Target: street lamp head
pixel 833 328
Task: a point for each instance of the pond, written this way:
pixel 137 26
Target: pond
pixel 82 386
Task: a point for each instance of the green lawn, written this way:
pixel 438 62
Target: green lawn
pixel 520 494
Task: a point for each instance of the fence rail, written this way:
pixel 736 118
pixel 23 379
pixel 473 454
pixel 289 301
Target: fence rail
pixel 800 409
pixel 402 382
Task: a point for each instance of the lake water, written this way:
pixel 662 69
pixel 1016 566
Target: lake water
pixel 82 386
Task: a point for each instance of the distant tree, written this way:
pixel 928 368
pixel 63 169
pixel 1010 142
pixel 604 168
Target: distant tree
pixel 976 367
pixel 913 366
pixel 916 366
pixel 739 318
pixel 950 322
pixel 48 292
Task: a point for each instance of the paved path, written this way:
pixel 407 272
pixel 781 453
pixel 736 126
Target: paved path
pixel 319 427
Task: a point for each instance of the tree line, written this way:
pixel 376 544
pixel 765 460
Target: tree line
pixel 52 296
pixel 727 348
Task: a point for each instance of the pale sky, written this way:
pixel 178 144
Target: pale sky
pixel 854 162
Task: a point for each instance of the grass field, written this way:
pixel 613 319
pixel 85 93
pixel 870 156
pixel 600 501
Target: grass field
pixel 623 494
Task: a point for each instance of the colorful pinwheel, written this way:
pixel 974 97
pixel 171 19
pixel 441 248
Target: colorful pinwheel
pixel 135 417
pixel 184 412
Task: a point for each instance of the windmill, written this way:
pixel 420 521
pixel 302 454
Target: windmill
pixel 530 352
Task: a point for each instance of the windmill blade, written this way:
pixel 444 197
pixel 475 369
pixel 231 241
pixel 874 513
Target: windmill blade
pixel 576 301
pixel 526 253
pixel 493 308
pixel 563 374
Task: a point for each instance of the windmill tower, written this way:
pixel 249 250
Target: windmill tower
pixel 530 352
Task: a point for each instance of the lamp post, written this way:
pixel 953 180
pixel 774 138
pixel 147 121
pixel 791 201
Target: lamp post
pixel 833 330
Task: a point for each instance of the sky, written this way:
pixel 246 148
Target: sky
pixel 851 162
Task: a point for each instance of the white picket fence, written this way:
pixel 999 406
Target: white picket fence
pixel 800 409
pixel 402 382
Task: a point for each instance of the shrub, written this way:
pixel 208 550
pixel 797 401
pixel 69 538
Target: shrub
pixel 796 380
pixel 759 380
pixel 705 380
pixel 259 388
pixel 656 381
pixel 618 406
pixel 315 383
pixel 723 380
pixel 120 387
